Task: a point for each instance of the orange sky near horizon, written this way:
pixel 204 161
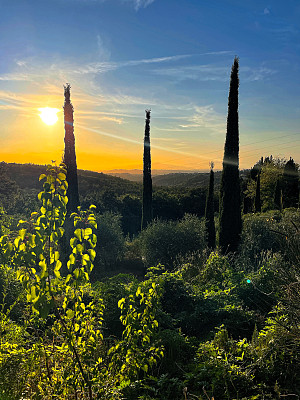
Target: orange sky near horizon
pixel 27 139
pixel 105 142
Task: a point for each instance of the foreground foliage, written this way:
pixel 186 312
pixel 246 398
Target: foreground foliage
pixel 59 350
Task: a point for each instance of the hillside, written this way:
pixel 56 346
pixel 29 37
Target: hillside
pixel 179 179
pixel 26 176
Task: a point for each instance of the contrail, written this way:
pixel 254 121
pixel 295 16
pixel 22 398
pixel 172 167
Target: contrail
pixel 100 132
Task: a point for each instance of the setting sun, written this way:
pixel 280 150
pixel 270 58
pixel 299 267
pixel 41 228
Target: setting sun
pixel 49 115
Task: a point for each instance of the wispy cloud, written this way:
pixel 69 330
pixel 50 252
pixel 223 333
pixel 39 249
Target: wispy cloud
pixel 142 3
pixel 15 77
pixel 96 117
pixel 256 74
pixel 139 142
pixel 195 72
pixel 199 119
pixel 266 11
pixel 211 72
pixel 206 117
pixel 137 4
pixel 35 69
pixel 102 67
pixel 102 51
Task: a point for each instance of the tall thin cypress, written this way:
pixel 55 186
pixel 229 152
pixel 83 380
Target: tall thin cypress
pixel 290 178
pixel 278 195
pixel 147 213
pixel 210 211
pixel 257 195
pixel 230 197
pixel 70 154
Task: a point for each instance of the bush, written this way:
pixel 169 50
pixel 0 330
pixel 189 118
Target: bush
pixel 111 243
pixel 110 291
pixel 258 237
pixel 164 241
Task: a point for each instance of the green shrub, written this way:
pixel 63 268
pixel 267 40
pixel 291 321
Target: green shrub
pixel 164 241
pixel 111 244
pixel 110 291
pixel 258 236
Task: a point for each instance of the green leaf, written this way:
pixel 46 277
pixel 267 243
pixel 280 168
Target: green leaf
pixel 94 239
pixel 78 234
pixel 61 176
pixel 87 232
pixel 32 292
pixel 21 221
pixel 93 223
pixel 145 368
pixel 73 242
pixel 79 248
pixel 57 273
pixel 72 259
pixel 70 314
pixel 22 233
pixel 92 254
pixel 57 265
pixel 121 303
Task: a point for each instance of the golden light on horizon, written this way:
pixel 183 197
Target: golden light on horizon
pixel 49 115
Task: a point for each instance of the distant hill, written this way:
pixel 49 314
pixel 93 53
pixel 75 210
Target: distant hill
pixel 128 175
pixel 26 176
pixel 183 179
pixel 136 175
pixel 186 179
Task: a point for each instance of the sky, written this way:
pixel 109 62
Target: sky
pixel 171 56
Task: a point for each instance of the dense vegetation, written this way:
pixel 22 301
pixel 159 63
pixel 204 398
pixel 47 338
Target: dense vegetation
pixel 162 313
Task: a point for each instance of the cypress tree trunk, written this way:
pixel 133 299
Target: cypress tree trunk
pixel 230 197
pixel 210 211
pixel 278 196
pixel 70 154
pixel 290 192
pixel 257 195
pixel 147 214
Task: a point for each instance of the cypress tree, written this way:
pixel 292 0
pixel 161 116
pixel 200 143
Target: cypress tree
pixel 147 213
pixel 290 192
pixel 230 197
pixel 257 195
pixel 70 154
pixel 210 211
pixel 278 195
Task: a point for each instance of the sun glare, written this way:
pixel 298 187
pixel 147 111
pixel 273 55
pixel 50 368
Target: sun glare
pixel 49 115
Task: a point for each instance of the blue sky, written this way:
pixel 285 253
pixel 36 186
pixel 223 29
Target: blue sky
pixel 122 56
